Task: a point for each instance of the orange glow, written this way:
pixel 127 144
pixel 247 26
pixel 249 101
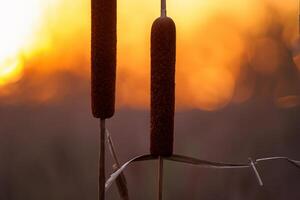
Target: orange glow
pixel 288 101
pixel 10 71
pixel 215 41
pixel 18 19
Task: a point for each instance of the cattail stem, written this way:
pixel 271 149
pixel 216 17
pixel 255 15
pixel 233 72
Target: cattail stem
pixel 299 17
pixel 102 161
pixel 160 177
pixel 163 9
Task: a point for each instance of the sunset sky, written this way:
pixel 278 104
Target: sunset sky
pixel 237 96
pixel 215 41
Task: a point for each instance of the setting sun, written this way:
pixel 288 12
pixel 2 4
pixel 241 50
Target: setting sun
pixel 18 19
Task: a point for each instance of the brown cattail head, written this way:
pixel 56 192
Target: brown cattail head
pixel 163 56
pixel 103 51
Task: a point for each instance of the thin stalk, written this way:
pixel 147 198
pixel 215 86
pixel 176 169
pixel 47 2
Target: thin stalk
pixel 102 161
pixel 121 184
pixel 121 180
pixel 298 17
pixel 160 177
pixel 163 10
pixel 112 149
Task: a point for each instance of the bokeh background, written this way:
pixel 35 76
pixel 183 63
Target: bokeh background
pixel 237 96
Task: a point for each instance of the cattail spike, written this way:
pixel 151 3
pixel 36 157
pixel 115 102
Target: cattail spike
pixel 163 53
pixel 103 52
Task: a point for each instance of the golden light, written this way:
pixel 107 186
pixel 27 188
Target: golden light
pixel 10 70
pixel 18 19
pixel 42 38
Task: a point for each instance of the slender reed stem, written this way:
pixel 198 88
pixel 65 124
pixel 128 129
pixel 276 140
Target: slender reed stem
pixel 298 17
pixel 112 149
pixel 163 9
pixel 102 161
pixel 121 180
pixel 160 177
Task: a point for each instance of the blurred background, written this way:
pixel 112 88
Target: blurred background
pixel 237 96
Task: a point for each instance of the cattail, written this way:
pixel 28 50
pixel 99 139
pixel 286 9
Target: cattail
pixel 103 51
pixel 163 53
pixel 103 72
